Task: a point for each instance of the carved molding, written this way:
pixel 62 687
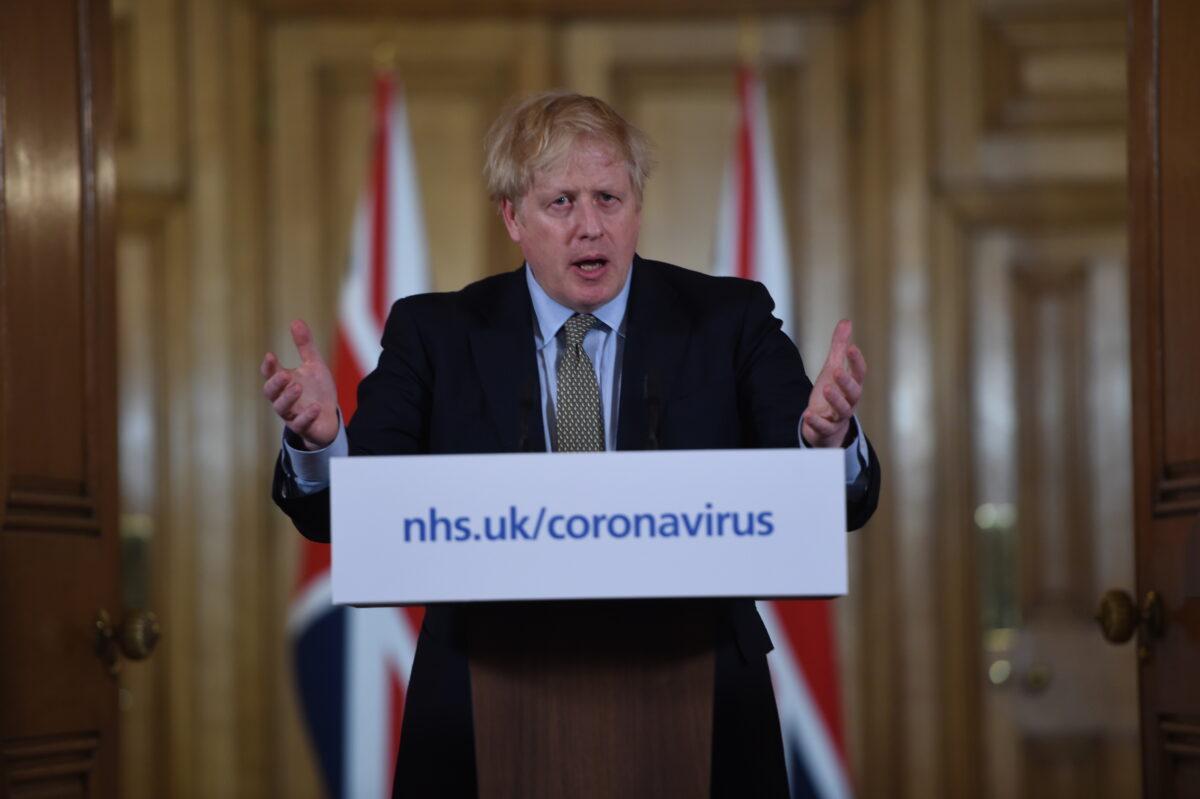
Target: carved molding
pixel 49 508
pixel 462 9
pixel 59 765
pixel 1049 68
pixel 1177 491
pixel 1181 736
pixel 1050 206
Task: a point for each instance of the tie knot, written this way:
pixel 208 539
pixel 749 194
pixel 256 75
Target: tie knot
pixel 577 327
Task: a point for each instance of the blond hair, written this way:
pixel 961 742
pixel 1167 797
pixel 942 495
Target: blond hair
pixel 538 132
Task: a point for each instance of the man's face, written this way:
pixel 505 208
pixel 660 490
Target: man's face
pixel 578 227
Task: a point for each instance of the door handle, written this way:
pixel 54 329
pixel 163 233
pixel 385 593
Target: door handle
pixel 1119 618
pixel 134 639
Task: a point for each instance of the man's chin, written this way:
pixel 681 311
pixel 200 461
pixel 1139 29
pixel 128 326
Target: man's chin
pixel 587 298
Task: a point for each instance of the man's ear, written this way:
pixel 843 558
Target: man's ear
pixel 508 212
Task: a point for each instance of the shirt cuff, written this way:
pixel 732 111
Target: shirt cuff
pixel 309 469
pixel 856 452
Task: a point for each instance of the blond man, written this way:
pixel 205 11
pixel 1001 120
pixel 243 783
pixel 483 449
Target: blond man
pixel 586 346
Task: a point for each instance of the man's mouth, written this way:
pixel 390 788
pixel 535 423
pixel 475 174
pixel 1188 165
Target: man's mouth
pixel 590 263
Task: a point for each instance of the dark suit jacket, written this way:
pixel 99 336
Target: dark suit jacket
pixel 705 366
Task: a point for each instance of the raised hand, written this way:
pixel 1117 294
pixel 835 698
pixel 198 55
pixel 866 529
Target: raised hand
pixel 305 398
pixel 836 393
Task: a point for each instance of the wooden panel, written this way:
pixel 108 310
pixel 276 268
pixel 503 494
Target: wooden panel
pixel 456 78
pixel 1049 420
pixel 1056 530
pixel 687 109
pixel 1179 173
pixel 1048 68
pixel 58 541
pixel 48 269
pixel 615 702
pixel 148 727
pixel 1165 198
pixel 450 106
pixel 877 700
pixel 676 80
pixel 569 8
pixel 57 766
pixel 151 99
pixel 1181 736
pixel 158 738
pixel 1032 92
pixel 1070 768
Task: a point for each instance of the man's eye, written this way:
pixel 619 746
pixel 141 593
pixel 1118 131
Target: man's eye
pixel 560 200
pixel 608 198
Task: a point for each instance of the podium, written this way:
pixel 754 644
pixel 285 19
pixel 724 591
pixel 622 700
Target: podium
pixel 591 699
pixel 591 609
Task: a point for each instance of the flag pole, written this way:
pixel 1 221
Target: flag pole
pixel 749 40
pixel 386 57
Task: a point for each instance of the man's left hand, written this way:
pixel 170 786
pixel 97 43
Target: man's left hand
pixel 835 394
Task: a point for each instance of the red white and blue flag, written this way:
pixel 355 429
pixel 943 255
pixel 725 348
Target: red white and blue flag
pixel 751 242
pixel 352 664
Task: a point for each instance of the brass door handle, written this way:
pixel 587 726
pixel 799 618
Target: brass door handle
pixel 134 639
pixel 1119 619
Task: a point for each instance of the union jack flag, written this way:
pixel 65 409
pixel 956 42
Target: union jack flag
pixel 751 243
pixel 352 664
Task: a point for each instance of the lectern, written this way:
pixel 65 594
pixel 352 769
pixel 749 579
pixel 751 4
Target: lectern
pixel 591 608
pixel 592 699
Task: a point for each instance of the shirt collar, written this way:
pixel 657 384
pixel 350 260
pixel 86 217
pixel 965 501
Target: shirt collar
pixel 551 315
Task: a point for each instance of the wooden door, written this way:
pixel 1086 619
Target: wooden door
pixel 58 527
pixel 1164 171
pixel 1050 426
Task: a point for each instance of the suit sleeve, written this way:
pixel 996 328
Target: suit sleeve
pixel 392 418
pixel 773 391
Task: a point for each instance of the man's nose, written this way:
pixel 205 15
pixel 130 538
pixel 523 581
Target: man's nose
pixel 591 225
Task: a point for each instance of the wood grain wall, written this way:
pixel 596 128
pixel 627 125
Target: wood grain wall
pixel 904 129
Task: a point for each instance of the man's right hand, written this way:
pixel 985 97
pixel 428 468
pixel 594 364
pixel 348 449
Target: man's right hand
pixel 305 398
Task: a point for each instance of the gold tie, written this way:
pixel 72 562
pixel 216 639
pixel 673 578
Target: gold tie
pixel 579 418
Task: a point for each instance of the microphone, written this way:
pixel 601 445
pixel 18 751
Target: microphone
pixel 525 406
pixel 650 392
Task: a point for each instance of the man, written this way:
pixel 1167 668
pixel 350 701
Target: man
pixel 586 347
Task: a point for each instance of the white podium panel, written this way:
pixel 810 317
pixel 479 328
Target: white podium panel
pixel 603 525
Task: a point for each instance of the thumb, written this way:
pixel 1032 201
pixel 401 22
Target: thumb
pixel 302 337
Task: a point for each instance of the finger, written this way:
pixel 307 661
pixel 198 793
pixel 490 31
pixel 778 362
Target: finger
pixel 838 402
pixel 302 338
pixel 276 384
pixel 841 340
pixel 820 425
pixel 270 365
pixel 817 406
pixel 851 388
pixel 304 419
pixel 285 402
pixel 858 364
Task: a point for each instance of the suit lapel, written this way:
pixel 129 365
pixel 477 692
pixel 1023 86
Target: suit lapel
pixel 656 336
pixel 505 358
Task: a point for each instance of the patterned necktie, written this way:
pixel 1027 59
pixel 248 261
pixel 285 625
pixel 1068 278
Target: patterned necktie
pixel 578 418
